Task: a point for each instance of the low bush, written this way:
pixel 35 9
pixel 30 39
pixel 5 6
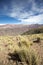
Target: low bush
pixel 25 57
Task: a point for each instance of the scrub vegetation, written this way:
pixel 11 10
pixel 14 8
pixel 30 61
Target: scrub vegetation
pixel 21 50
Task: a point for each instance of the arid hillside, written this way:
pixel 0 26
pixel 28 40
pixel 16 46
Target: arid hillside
pixel 12 29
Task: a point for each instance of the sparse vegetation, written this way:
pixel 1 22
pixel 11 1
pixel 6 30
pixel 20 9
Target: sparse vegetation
pixel 37 40
pixel 21 49
pixel 26 57
pixel 34 31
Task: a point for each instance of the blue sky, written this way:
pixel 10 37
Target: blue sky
pixel 21 11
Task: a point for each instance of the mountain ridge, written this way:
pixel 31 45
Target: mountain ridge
pixel 13 29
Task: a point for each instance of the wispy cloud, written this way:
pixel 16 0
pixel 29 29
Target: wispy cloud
pixel 30 11
pixel 26 9
pixel 33 19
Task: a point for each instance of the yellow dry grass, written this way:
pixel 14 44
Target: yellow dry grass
pixel 18 43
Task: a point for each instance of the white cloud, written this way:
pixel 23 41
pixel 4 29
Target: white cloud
pixel 33 19
pixel 2 24
pixel 17 11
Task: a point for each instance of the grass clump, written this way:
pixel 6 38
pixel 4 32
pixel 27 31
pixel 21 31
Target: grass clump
pixel 25 57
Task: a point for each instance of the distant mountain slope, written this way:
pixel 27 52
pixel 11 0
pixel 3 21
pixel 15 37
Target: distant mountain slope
pixel 12 29
pixel 36 30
